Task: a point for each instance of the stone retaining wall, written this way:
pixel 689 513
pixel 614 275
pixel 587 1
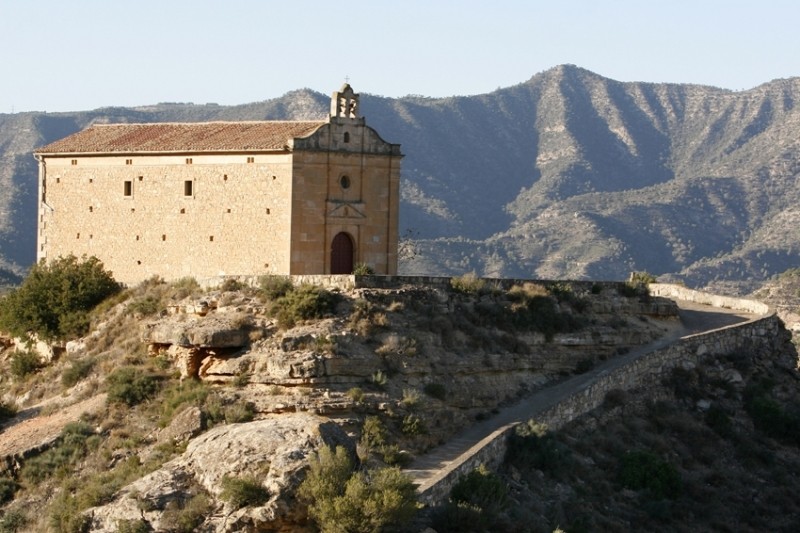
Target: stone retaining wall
pixel 646 370
pixel 347 282
pixel 677 292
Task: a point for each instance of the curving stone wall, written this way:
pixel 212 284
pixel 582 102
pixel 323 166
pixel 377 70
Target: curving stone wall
pixel 646 370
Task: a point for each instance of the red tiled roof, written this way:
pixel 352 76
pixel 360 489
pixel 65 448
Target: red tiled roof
pixel 182 137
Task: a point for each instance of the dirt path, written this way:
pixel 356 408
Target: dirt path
pixel 28 432
pixel 695 318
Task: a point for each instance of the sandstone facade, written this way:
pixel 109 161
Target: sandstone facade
pixel 211 199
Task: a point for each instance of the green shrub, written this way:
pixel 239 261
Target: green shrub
pixel 363 269
pixel 131 385
pixel 483 489
pixel 146 306
pixel 768 416
pixel 302 303
pixel 232 285
pixel 243 492
pixel 76 440
pixel 12 521
pixel 240 412
pixel 65 515
pixel 411 399
pixel 24 364
pixel 100 488
pixel 186 517
pixel 642 278
pixel 394 456
pixel 7 411
pixel 468 283
pixel 179 395
pixel 241 379
pixel 413 425
pixel 531 447
pixel 533 308
pixel 562 291
pixel 340 499
pixel 373 433
pixel 458 517
pixel 7 489
pixel 55 299
pixel 273 287
pixel 182 288
pixel 356 394
pixel 137 525
pixel 77 370
pixel 379 379
pixel 643 470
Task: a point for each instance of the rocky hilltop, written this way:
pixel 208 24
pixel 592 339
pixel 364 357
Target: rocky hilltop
pixel 571 175
pixel 146 419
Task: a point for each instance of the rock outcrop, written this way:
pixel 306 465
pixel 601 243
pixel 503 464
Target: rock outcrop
pixel 274 450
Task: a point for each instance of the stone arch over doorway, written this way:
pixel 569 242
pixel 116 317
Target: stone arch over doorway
pixel 342 254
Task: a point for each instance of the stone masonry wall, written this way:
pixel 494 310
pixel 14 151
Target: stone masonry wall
pixel 173 216
pixel 647 370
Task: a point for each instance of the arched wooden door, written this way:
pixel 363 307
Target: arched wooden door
pixel 342 254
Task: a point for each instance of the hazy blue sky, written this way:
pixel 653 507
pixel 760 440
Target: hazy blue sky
pixel 58 55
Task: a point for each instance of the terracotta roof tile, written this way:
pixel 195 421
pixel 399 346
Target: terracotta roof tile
pixel 182 137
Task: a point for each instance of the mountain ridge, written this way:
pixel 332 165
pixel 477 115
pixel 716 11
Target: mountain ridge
pixel 566 175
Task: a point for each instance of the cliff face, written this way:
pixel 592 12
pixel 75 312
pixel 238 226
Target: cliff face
pixel 567 175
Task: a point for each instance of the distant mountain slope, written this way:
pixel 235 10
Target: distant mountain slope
pixel 569 174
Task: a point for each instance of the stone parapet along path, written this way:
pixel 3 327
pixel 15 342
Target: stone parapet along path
pixel 435 471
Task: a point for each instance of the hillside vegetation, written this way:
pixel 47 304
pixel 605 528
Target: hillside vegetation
pixel 571 175
pixel 184 406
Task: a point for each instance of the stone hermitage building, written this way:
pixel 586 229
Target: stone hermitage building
pixel 224 198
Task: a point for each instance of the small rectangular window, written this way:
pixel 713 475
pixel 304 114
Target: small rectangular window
pixel 188 160
pixel 129 161
pixel 128 188
pixel 188 189
pixel 74 162
pixel 251 159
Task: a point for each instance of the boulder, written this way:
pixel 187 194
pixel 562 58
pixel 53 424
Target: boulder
pixel 186 425
pixel 207 332
pixel 274 450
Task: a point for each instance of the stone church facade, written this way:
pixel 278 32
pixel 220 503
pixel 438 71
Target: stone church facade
pixel 224 198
